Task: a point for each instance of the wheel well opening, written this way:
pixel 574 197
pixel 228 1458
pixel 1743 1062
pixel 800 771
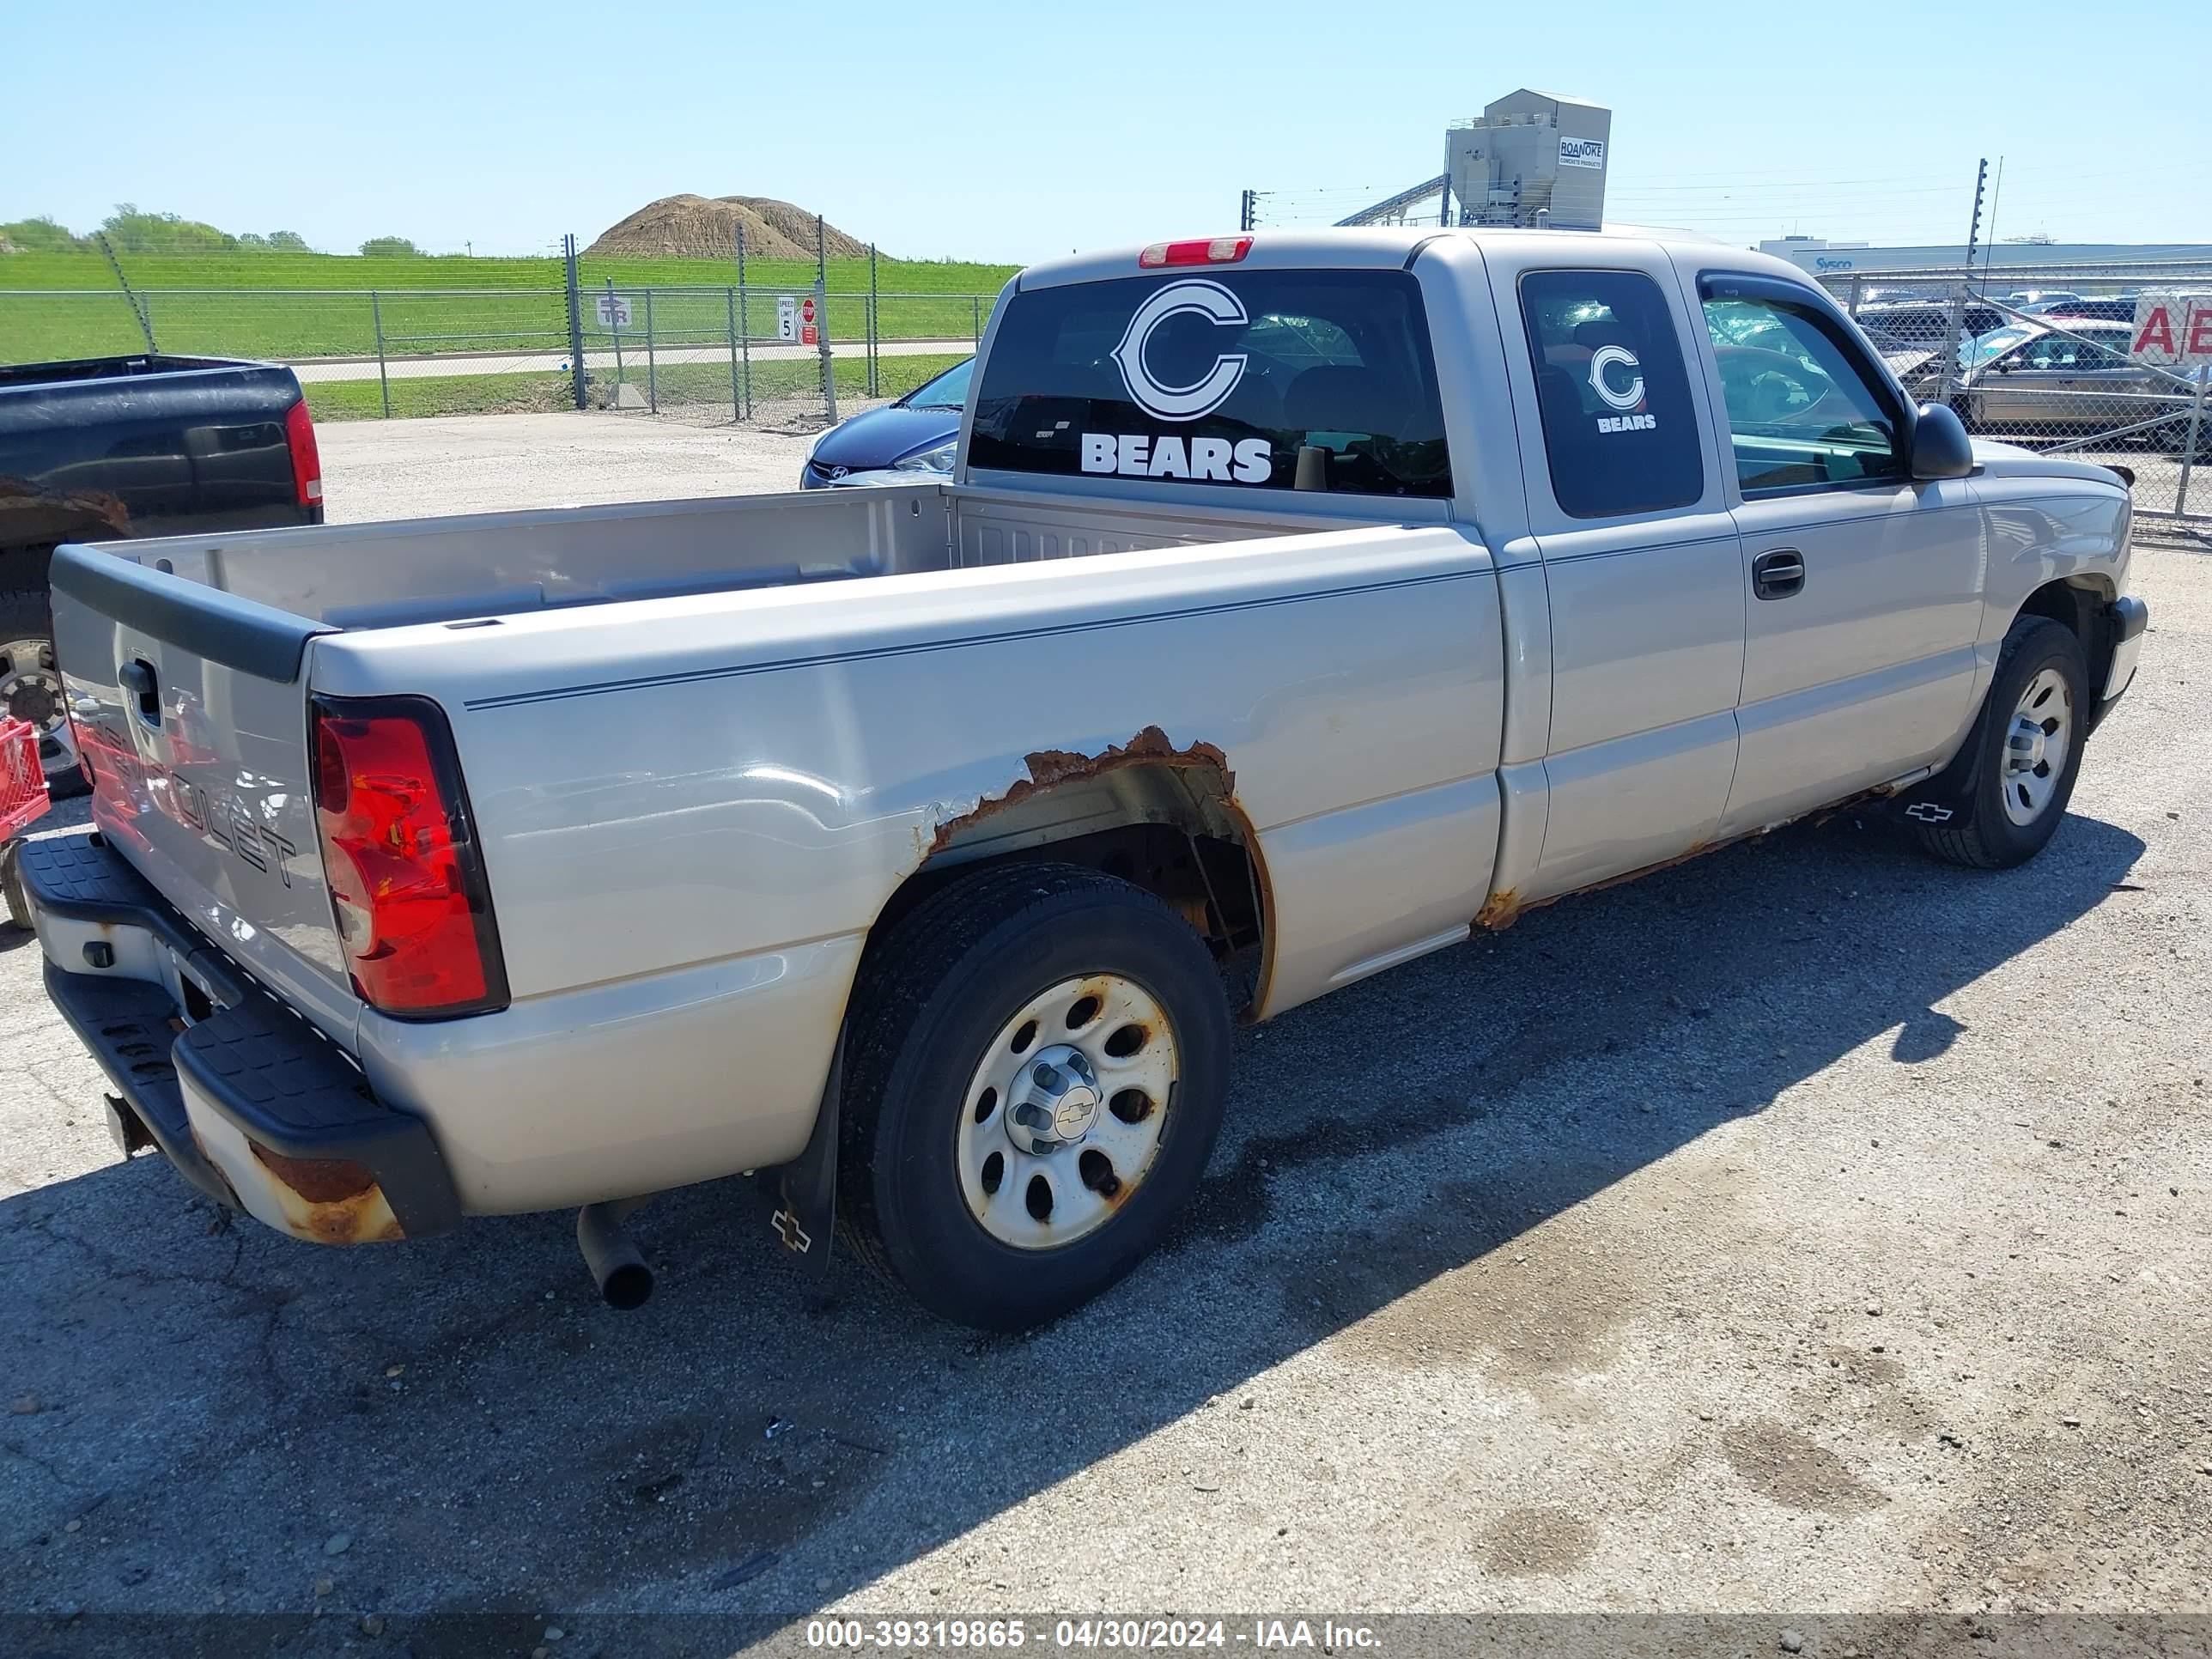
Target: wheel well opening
pixel 1175 830
pixel 2078 603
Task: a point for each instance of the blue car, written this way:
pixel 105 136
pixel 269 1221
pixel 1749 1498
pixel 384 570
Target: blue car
pixel 916 435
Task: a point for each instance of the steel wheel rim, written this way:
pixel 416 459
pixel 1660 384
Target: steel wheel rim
pixel 30 684
pixel 1038 1171
pixel 30 689
pixel 2037 741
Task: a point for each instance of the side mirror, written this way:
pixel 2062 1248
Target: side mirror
pixel 1941 448
pixel 2006 364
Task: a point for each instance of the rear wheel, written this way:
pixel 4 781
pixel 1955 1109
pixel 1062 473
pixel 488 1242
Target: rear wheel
pixel 2174 438
pixel 1039 1056
pixel 30 687
pixel 2025 753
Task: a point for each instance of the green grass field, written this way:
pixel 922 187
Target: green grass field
pixel 56 305
pixel 690 388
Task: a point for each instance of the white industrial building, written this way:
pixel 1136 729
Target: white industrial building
pixel 1820 256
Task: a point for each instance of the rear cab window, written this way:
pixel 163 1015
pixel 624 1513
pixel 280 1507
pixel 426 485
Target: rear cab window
pixel 1308 379
pixel 1620 433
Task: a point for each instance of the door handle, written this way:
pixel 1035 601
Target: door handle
pixel 1778 574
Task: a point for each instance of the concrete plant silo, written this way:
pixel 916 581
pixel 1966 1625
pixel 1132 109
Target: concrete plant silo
pixel 1532 158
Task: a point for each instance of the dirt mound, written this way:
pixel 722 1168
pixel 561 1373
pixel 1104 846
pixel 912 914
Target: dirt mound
pixel 706 227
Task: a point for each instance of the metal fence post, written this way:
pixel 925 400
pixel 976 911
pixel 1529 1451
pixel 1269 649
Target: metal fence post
pixel 976 317
pixel 575 317
pixel 1947 357
pixel 614 327
pixel 822 338
pixel 1858 284
pixel 383 380
pixel 745 325
pixel 2196 435
pixel 738 408
pixel 651 383
pixel 874 327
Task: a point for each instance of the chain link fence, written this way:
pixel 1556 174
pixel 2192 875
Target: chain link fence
pixel 790 357
pixel 788 353
pixel 2109 364
pixel 2106 363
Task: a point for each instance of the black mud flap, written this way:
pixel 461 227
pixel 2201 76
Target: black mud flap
pixel 1948 794
pixel 805 1189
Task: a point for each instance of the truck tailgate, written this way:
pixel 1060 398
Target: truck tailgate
pixel 191 706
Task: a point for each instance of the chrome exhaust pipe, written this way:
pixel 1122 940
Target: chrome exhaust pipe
pixel 618 1264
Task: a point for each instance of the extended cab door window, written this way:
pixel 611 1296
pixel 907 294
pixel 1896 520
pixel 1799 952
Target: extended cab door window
pixel 1620 431
pixel 1801 413
pixel 1278 379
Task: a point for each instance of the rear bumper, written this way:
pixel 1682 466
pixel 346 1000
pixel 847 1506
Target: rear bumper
pixel 254 1108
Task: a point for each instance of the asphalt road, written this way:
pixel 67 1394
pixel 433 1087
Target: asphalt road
pixel 1812 1228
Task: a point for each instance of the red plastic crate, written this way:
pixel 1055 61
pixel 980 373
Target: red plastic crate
pixel 22 780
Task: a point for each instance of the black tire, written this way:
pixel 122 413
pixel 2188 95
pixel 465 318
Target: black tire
pixel 932 995
pixel 1980 833
pixel 2173 439
pixel 24 616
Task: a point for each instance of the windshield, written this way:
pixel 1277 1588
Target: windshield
pixel 1982 347
pixel 948 391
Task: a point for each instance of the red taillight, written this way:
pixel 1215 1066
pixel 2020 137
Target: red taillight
pixel 306 460
pixel 1205 251
pixel 414 912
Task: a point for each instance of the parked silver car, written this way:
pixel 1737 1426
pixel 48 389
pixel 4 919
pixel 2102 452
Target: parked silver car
pixel 2066 378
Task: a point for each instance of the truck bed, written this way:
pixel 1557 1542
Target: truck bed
pixel 445 570
pixel 692 808
pixel 136 366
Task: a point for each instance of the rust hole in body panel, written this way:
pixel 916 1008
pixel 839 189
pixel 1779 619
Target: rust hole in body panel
pixel 1047 767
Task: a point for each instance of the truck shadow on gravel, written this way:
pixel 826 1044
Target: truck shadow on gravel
pixel 457 1428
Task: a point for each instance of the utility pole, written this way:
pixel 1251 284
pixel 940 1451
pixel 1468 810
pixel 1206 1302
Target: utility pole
pixel 1248 209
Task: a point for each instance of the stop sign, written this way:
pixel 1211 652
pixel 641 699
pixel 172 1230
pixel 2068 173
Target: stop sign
pixel 806 310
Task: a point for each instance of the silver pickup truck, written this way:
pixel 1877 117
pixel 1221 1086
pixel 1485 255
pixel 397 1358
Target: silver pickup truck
pixel 1299 604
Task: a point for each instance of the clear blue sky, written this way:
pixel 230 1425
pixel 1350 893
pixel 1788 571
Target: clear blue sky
pixel 1009 132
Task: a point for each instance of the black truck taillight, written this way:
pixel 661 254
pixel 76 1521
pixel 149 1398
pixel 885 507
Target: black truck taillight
pixel 407 882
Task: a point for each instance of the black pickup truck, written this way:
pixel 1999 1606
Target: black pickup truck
pixel 119 446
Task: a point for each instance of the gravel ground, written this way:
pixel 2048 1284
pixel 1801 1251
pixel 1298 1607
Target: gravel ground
pixel 1812 1228
pixel 500 463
